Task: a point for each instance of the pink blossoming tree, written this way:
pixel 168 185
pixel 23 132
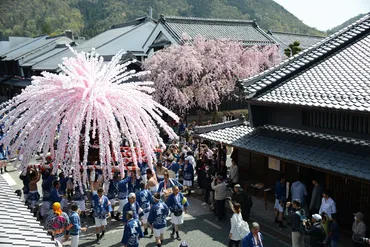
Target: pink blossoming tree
pixel 200 73
pixel 89 106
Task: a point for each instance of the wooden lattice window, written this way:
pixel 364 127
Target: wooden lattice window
pixel 336 121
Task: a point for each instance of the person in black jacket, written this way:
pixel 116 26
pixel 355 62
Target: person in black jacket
pixel 244 199
pixel 316 231
pixel 296 218
pixel 222 170
pixel 206 181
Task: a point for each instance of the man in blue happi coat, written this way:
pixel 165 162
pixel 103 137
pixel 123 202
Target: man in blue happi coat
pixel 134 185
pixel 79 197
pixel 188 174
pixel 113 191
pixel 145 200
pixel 47 181
pixel 132 232
pixel 174 166
pixel 122 195
pixel 55 195
pixel 102 207
pixel 63 189
pixel 143 166
pixel 133 206
pixel 157 218
pixel 178 204
pixel 76 228
pixel 168 183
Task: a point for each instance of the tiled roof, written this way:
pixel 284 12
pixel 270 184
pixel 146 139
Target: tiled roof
pixel 36 47
pixel 42 57
pixel 285 39
pixel 240 30
pixel 228 124
pixel 20 45
pixel 106 43
pixel 18 227
pixel 133 41
pixel 334 73
pixel 340 155
pixel 228 135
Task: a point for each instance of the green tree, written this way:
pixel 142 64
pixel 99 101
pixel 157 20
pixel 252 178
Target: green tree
pixel 293 49
pixel 37 17
pixel 46 26
pixel 91 17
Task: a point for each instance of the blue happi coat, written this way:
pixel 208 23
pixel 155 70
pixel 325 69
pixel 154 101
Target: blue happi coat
pixel 170 183
pixel 100 209
pixel 134 185
pixel 74 219
pixel 55 196
pixel 143 167
pixel 78 195
pixel 3 150
pixel 158 214
pixel 47 185
pixel 135 208
pixel 249 241
pixel 177 204
pixel 63 185
pixel 123 188
pixel 175 167
pixel 188 172
pixel 145 199
pixel 113 189
pixel 132 233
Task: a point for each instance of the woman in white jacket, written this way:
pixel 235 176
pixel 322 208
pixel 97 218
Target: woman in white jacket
pixel 238 226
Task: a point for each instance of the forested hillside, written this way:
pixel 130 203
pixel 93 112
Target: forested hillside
pixel 344 24
pixel 90 17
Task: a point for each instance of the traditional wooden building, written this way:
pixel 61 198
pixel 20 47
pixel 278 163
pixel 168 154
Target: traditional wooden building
pixel 310 115
pixel 46 53
pixel 11 62
pixel 129 36
pixel 170 30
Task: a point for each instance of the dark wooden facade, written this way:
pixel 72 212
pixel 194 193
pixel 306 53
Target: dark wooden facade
pixel 350 195
pixel 334 122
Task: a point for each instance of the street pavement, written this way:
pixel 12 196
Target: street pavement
pixel 200 228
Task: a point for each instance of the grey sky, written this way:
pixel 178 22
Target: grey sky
pixel 325 14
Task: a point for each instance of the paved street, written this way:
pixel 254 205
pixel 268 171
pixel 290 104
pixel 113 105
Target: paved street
pixel 199 229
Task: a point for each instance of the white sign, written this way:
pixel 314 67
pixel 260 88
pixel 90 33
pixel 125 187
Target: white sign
pixel 274 164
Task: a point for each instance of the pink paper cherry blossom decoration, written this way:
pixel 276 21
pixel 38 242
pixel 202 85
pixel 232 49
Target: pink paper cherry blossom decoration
pixel 89 103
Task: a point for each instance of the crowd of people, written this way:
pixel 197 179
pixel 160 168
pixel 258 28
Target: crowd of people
pixel 143 198
pixel 316 219
pixel 134 197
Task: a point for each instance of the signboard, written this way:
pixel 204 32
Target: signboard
pixel 274 164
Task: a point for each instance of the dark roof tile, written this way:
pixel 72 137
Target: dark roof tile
pixel 342 155
pixel 338 65
pixel 285 39
pixel 17 225
pixel 245 31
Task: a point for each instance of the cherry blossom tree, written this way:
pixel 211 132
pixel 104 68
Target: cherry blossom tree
pixel 200 73
pixel 89 106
